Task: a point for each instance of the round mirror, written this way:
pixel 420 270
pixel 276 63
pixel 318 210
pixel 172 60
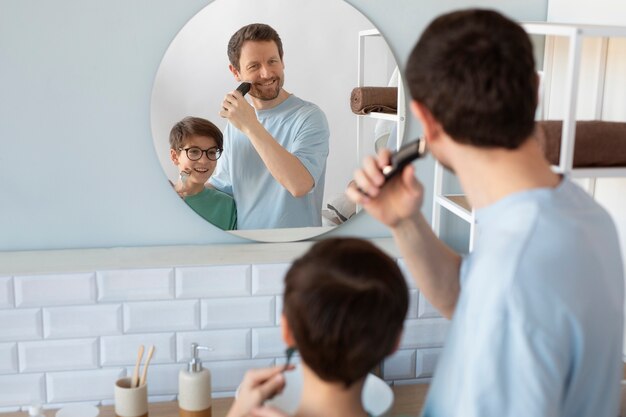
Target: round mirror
pixel 330 49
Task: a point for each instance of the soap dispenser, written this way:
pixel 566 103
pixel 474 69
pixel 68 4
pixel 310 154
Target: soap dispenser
pixel 194 387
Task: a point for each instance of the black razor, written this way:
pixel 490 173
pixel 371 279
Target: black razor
pixel 244 87
pixel 404 156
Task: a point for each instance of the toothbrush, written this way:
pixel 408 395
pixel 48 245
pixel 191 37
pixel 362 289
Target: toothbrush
pixel 144 374
pixel 289 352
pixel 135 378
pixel 184 175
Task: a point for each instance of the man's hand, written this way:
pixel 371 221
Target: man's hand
pixel 238 111
pixel 257 386
pixel 398 200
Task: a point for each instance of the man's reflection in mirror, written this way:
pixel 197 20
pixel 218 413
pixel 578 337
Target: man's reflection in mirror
pixel 195 146
pixel 276 146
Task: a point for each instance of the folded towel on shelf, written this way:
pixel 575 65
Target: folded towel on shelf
pixel 364 100
pixel 597 144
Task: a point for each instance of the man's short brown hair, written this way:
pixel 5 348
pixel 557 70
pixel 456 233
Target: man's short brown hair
pixel 194 126
pixel 345 302
pixel 251 32
pixel 474 70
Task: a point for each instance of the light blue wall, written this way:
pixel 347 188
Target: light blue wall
pixel 77 164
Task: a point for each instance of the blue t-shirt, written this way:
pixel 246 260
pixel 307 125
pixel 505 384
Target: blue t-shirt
pixel 301 128
pixel 537 329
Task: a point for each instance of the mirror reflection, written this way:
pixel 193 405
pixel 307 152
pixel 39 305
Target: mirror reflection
pixel 289 146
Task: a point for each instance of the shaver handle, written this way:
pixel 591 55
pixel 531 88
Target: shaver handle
pixel 243 88
pixel 404 156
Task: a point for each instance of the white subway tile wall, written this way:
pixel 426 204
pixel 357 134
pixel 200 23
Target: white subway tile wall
pixel 268 279
pixel 58 355
pixel 20 389
pixel 400 365
pixel 267 343
pixel 213 281
pixel 67 338
pixel 122 350
pixel 46 290
pixel 71 386
pixel 8 358
pixel 6 292
pixel 224 344
pixel 426 361
pixel 161 316
pixel 82 321
pixel 20 324
pixel 136 284
pixel 238 312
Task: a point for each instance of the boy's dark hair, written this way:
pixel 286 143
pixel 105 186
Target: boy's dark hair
pixel 251 32
pixel 345 302
pixel 475 72
pixel 194 126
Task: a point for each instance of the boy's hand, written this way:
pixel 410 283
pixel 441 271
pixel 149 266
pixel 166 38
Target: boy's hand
pixel 181 185
pixel 398 200
pixel 268 412
pixel 258 385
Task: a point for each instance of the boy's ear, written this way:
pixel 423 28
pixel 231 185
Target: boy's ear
pixel 286 332
pixel 235 72
pixel 174 156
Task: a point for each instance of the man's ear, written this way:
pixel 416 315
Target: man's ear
pixel 235 72
pixel 174 156
pixel 286 332
pixel 431 126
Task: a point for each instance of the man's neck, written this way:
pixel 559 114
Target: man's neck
pixel 488 175
pixel 326 399
pixel 270 104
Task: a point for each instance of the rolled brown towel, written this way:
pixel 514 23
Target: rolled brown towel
pixel 364 100
pixel 598 143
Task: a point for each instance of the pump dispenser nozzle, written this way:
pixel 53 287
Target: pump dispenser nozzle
pixel 195 363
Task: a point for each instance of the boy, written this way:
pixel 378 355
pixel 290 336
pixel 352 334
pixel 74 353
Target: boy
pixel 195 147
pixel 344 306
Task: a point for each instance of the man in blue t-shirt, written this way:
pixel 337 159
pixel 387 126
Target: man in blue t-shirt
pixel 275 150
pixel 536 308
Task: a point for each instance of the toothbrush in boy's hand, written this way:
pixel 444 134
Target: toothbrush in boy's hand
pixel 184 175
pixel 289 352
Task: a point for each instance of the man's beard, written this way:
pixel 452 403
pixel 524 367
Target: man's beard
pixel 266 95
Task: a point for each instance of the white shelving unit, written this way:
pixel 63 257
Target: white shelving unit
pixel 457 204
pixel 399 118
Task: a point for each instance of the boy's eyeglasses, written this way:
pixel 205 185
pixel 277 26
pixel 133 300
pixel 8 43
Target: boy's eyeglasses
pixel 194 153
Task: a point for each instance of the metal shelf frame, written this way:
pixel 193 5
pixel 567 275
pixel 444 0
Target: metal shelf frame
pixel 575 33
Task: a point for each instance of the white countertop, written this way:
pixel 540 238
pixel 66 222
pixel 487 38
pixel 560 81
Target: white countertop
pixel 85 260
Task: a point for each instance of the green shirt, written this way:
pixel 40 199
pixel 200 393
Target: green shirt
pixel 215 206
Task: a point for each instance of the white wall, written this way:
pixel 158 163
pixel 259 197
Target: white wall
pixel 78 165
